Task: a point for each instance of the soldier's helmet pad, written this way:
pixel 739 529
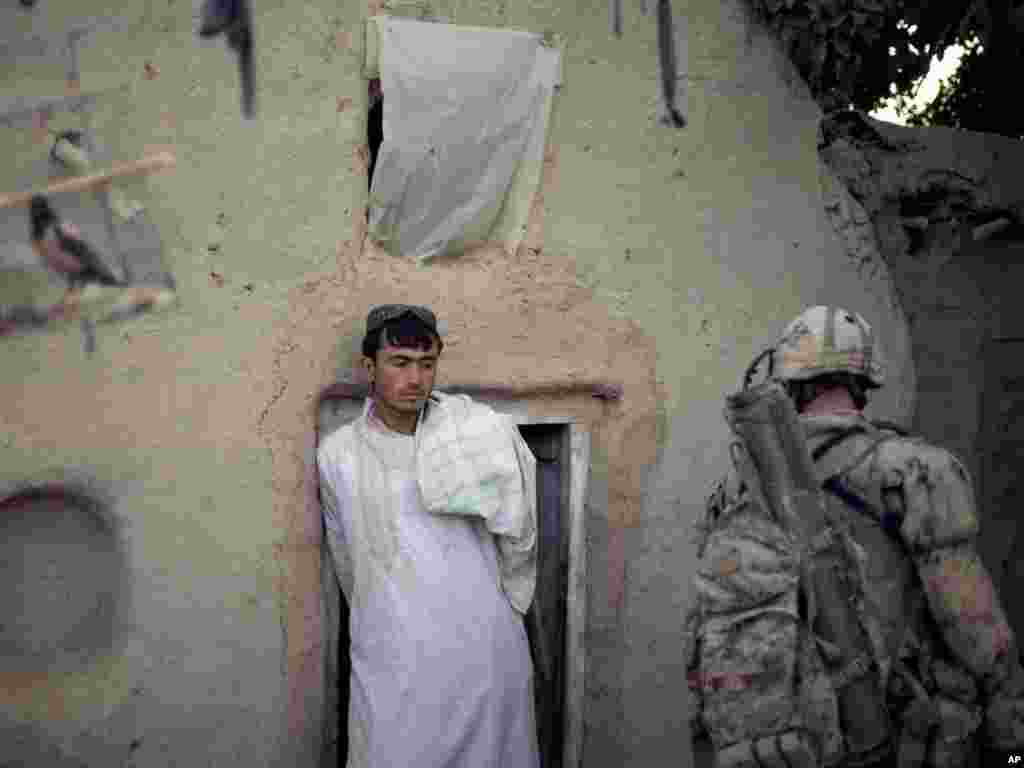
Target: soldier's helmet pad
pixel 828 339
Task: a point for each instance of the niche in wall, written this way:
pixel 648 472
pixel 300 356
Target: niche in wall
pixel 61 578
pixel 556 622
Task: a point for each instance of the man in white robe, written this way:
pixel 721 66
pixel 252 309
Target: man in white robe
pixel 441 671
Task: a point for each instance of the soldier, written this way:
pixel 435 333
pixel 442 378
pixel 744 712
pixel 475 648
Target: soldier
pixel 946 659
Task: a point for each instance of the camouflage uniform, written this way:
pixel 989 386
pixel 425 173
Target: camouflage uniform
pixel 948 658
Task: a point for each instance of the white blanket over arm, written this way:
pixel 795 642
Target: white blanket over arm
pixel 471 460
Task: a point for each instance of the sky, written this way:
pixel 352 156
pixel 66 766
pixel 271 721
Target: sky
pixel 937 72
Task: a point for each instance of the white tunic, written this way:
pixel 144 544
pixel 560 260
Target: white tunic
pixel 441 672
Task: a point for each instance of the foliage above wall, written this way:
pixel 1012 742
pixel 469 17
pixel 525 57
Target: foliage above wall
pixel 831 42
pixel 859 52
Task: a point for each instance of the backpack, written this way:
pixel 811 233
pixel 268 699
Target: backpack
pixel 769 688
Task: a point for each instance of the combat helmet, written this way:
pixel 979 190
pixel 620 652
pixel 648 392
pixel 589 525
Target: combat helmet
pixel 828 339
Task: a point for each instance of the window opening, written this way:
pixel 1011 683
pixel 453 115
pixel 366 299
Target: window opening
pixel 374 126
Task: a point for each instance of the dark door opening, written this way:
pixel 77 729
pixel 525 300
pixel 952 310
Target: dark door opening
pixel 374 127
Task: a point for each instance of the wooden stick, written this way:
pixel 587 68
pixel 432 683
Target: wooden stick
pixel 150 164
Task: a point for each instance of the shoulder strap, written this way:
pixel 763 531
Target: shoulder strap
pixel 889 523
pixel 834 483
pixel 892 426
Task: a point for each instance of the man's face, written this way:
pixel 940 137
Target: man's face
pixel 403 376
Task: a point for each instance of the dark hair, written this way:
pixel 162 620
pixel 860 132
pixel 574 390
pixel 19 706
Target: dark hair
pixel 405 331
pixel 803 392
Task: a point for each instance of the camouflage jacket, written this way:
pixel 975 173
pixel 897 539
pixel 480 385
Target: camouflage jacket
pixel 913 512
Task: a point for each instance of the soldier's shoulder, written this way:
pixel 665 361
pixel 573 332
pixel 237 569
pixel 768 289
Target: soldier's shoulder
pixel 893 446
pixel 902 450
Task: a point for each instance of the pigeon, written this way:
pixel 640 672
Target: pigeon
pixel 62 248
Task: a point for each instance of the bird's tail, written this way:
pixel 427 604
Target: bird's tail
pixel 40 216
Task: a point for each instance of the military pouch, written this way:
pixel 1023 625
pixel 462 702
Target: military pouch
pixel 792 749
pixel 755 671
pixel 918 718
pixel 1004 721
pixel 747 675
pixel 953 682
pixel 953 738
pixel 854 670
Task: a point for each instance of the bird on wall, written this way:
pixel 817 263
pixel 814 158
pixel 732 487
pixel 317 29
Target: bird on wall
pixel 69 153
pixel 61 247
pixel 234 19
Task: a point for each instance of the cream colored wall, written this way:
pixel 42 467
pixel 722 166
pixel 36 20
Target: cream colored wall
pixel 200 419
